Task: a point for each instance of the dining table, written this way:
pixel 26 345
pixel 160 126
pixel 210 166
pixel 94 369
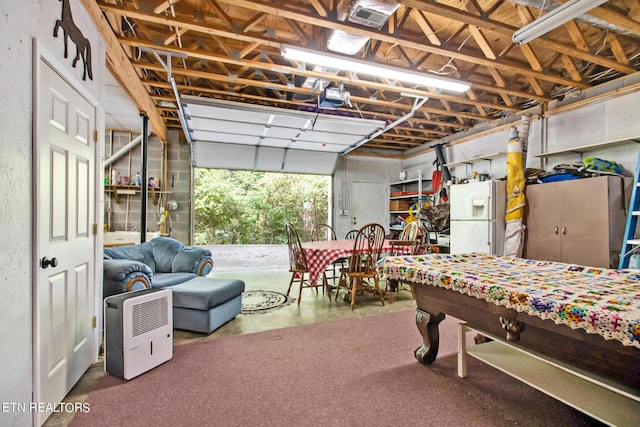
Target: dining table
pixel 320 254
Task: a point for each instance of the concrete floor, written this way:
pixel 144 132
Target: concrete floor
pixel 261 267
pixel 249 257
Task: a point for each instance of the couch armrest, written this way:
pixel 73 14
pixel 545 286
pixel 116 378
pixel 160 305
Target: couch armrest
pixel 121 275
pixel 192 259
pixel 204 266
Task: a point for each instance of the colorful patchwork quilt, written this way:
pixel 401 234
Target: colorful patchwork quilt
pixel 600 301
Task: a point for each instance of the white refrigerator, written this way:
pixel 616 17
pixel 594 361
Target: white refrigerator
pixel 477 217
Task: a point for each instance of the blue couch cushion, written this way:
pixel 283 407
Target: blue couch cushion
pixel 188 259
pixel 203 293
pixel 142 253
pixel 160 280
pixel 164 249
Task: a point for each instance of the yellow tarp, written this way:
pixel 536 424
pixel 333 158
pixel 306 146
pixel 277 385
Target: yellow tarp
pixel 514 228
pixel 515 179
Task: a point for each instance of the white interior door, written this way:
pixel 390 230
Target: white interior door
pixel 369 203
pixel 65 244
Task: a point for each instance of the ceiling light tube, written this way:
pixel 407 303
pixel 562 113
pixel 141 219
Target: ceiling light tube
pixel 376 70
pixel 554 19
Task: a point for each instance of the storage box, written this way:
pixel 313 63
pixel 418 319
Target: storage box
pixel 398 205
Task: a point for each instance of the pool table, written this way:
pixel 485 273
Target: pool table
pixel 588 318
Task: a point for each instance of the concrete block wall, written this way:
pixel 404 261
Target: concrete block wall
pixel 125 215
pixel 179 183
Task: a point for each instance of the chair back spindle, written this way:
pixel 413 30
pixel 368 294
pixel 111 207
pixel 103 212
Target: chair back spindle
pixel 297 259
pixel 351 235
pixel 298 264
pixel 408 243
pixel 323 232
pixel 367 248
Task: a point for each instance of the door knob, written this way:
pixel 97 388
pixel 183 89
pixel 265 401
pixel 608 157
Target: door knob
pixel 46 262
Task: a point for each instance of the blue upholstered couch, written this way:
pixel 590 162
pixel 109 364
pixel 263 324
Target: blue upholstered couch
pixel 160 262
pixel 200 304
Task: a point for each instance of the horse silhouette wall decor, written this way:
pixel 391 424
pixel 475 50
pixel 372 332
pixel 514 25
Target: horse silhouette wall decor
pixel 71 31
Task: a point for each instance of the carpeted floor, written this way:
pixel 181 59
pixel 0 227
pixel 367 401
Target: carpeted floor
pixel 348 372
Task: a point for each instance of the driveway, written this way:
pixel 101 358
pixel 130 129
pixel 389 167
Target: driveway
pixel 248 257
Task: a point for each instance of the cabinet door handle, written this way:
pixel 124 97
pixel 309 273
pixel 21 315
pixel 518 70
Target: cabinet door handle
pixel 555 230
pixel 564 230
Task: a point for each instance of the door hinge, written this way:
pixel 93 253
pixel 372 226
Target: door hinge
pixel 94 322
pixel 95 229
pixel 95 135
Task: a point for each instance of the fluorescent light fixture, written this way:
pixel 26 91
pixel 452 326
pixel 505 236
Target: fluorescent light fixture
pixel 554 19
pixel 359 66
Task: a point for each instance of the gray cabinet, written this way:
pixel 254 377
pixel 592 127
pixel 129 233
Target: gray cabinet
pixel 579 222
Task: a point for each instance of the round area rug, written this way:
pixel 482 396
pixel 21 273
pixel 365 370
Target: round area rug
pixel 258 302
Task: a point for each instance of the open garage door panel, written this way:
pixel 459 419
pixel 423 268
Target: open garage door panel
pixel 236 136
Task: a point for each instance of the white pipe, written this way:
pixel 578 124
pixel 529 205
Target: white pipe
pixel 121 152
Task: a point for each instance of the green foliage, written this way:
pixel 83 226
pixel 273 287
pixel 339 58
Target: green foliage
pixel 243 207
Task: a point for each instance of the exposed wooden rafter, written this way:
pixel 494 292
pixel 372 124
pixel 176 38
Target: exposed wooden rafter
pixel 124 71
pixel 231 50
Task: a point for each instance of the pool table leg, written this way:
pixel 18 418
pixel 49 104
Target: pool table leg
pixel 427 324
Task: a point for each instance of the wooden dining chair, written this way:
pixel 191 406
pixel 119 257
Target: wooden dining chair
pixel 408 243
pixel 298 263
pixel 362 270
pixel 351 234
pixel 321 233
pixel 344 281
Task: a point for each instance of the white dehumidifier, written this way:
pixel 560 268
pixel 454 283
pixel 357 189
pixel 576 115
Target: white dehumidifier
pixel 138 329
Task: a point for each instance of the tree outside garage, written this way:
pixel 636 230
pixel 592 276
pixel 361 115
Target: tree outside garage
pixel 246 207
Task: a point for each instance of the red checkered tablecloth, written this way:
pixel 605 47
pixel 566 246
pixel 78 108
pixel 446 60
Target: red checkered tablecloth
pixel 321 254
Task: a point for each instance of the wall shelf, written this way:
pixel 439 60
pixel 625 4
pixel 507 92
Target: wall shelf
pixel 486 157
pixel 406 181
pixel 411 196
pixel 404 194
pixel 581 149
pixel 122 190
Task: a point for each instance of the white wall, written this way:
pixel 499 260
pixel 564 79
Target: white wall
pixel 604 119
pixel 358 168
pixel 15 198
pixel 22 21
